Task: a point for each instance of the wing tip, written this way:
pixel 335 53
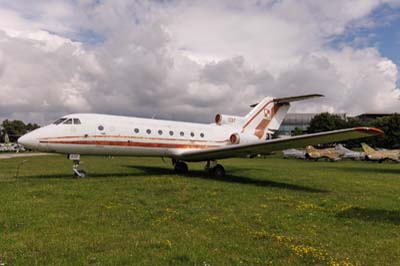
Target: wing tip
pixel 372 130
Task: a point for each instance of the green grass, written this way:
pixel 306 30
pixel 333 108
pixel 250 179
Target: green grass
pixel 136 211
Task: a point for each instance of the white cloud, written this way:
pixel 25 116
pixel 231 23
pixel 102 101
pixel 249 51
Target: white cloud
pixel 186 60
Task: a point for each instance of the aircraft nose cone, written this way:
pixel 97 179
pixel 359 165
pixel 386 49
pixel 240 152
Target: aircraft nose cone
pixel 28 141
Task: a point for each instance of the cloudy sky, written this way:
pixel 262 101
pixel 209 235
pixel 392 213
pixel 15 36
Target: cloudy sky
pixel 188 60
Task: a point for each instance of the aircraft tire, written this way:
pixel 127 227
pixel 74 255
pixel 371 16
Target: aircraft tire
pixel 181 168
pixel 82 174
pixel 218 171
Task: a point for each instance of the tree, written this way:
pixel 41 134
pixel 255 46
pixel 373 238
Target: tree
pixel 30 127
pixel 326 122
pixel 391 126
pixel 297 131
pixel 15 129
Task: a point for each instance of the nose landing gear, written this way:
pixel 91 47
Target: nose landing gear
pixel 78 173
pixel 76 159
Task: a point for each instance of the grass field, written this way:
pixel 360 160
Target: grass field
pixel 136 211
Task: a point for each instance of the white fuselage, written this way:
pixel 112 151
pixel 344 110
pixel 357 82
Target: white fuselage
pixel 127 136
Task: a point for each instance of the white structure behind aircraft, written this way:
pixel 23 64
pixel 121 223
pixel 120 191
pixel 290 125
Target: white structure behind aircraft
pixel 229 136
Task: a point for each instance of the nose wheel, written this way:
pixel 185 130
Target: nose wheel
pixel 78 173
pixel 76 159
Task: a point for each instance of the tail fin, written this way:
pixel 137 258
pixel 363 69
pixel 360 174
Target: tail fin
pixel 367 149
pixel 340 147
pixel 310 148
pixel 6 139
pixel 267 116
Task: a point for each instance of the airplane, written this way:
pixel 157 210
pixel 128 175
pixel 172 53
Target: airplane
pixel 381 155
pixel 350 154
pixel 294 153
pixel 340 151
pixel 229 136
pixel 7 146
pixel 332 154
pixel 7 141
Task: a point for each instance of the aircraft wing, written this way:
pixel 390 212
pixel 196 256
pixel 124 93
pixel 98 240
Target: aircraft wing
pixel 279 144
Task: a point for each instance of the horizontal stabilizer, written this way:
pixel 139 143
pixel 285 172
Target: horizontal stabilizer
pixel 297 98
pixel 293 98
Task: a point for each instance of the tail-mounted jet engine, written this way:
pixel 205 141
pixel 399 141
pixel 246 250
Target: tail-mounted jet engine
pixel 221 119
pixel 238 138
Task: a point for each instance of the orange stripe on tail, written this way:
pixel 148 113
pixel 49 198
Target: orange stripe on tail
pixel 268 116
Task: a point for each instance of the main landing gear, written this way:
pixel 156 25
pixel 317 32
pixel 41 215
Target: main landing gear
pixel 76 159
pixel 181 167
pixel 214 169
pixel 211 168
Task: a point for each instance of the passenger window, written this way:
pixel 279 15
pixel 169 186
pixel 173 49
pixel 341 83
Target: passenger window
pixel 136 130
pixel 77 121
pixel 182 134
pixel 192 134
pixel 68 122
pixel 160 132
pixel 101 128
pixel 148 131
pixel 202 135
pixel 171 133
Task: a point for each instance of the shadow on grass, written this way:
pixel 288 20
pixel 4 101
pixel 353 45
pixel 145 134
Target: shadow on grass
pixel 159 171
pixel 371 215
pixel 229 179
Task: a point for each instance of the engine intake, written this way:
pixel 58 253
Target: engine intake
pixel 234 138
pixel 238 138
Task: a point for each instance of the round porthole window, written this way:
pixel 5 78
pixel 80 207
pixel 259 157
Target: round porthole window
pixel 148 131
pixel 101 128
pixel 136 130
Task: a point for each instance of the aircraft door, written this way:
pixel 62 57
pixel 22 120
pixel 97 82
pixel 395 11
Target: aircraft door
pixel 100 133
pixel 101 130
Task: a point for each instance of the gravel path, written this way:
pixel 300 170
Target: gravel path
pixel 23 154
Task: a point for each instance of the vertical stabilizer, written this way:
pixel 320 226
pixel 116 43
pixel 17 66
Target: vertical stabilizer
pixel 6 139
pixel 367 149
pixel 266 117
pixel 310 149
